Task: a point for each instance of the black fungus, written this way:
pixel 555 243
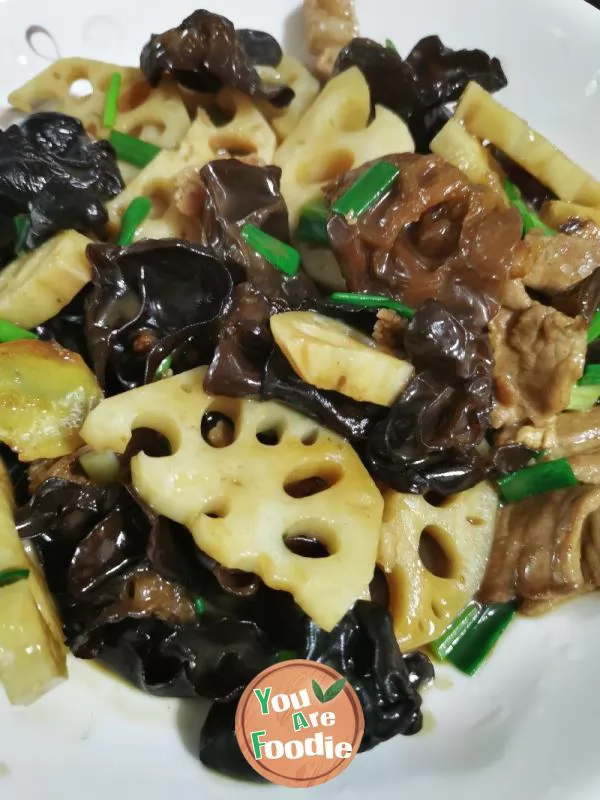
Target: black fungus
pixel 432 438
pixel 204 53
pixel 339 413
pixel 151 300
pixel 363 648
pixel 417 88
pixel 260 47
pixel 583 298
pixel 56 176
pixel 245 339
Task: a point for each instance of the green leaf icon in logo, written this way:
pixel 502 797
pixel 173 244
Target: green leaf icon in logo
pixel 334 689
pixel 329 694
pixel 318 692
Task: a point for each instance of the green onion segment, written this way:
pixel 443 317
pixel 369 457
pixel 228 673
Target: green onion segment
pixel 163 368
pixel 312 225
pixel 10 576
pixel 22 227
pixel 279 254
pixel 390 45
pixel 468 641
pixel 112 99
pixel 366 191
pixel 547 476
pixel 9 332
pixel 594 329
pixel 372 301
pixel 584 398
pixel 135 213
pixel 134 151
pixel 531 221
pixel 199 606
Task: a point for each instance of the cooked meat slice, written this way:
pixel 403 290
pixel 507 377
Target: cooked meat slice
pixel 553 264
pixel 330 25
pixel 539 354
pixel 586 467
pixel 577 432
pixel 542 549
pixel 537 438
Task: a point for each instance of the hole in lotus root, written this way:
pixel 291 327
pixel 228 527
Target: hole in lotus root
pixel 433 555
pixel 217 429
pixel 300 485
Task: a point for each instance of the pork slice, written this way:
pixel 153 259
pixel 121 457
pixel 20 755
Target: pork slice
pixel 553 264
pixel 545 548
pixel 539 354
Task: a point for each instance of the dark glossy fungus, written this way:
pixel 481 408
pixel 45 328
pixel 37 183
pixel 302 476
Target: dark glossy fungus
pixel 56 176
pixel 150 300
pixel 204 53
pixel 245 339
pixel 418 87
pixel 583 298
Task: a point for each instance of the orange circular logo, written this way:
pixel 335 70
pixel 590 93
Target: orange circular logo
pixel 299 723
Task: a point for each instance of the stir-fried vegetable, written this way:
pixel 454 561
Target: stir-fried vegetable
pixel 594 329
pixel 278 253
pixel 134 151
pixel 312 224
pixel 372 301
pixel 12 333
pixel 135 214
pixel 46 393
pixel 538 479
pixel 112 99
pixel 467 642
pixel 32 654
pixel 370 187
pixel 531 221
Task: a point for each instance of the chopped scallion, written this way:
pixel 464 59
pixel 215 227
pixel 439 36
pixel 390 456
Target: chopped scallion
pixel 583 398
pixel 390 45
pixel 366 191
pixel 372 301
pixel 10 576
pixel 594 329
pixel 538 479
pixel 9 332
pixel 279 254
pixel 312 225
pixel 134 215
pixel 112 99
pixel 591 376
pixel 134 151
pixel 199 606
pixel 22 227
pixel 467 642
pixel 163 368
pixel 531 221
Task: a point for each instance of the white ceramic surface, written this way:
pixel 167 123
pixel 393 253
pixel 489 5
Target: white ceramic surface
pixel 526 726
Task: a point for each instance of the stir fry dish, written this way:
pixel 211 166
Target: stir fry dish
pixel 293 364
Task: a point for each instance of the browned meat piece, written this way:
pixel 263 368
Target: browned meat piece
pixel 553 264
pixel 577 432
pixel 330 25
pixel 433 235
pixel 539 354
pixel 389 329
pixel 586 467
pixel 545 548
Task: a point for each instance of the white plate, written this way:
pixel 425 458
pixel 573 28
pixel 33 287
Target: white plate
pixel 526 726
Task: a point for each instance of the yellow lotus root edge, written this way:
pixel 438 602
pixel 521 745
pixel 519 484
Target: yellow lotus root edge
pixel 155 115
pixel 240 501
pixel 484 117
pixel 334 136
pixel 423 603
pixel 306 88
pixel 556 213
pixel 246 132
pixel 37 285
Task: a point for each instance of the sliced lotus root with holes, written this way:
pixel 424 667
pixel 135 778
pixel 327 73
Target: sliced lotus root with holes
pixel 434 558
pixel 155 115
pixel 246 132
pixel 306 87
pixel 253 497
pixel 334 136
